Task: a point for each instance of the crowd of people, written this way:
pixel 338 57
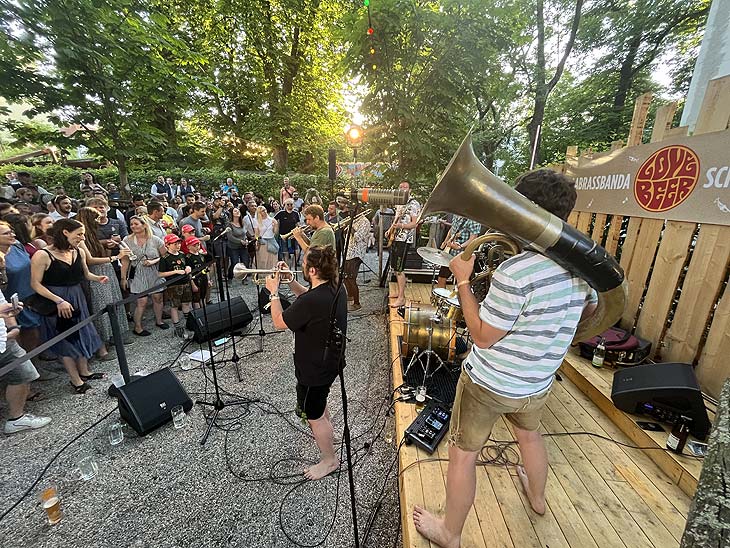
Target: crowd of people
pixel 67 258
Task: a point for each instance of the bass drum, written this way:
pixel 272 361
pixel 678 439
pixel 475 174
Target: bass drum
pixel 419 321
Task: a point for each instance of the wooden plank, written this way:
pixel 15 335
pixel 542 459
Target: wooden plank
pixel 714 114
pixel 663 121
pixel 712 369
pixel 651 526
pixel 670 260
pixel 573 218
pixel 629 245
pixel 636 274
pixel 597 391
pixel 638 120
pixel 584 221
pixel 614 233
pixel 679 131
pixel 515 514
pixel 599 226
pixel 493 525
pixel 701 286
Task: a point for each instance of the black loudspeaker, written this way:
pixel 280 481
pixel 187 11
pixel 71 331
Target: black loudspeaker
pixel 332 164
pixel 146 403
pixel 218 323
pixel 664 391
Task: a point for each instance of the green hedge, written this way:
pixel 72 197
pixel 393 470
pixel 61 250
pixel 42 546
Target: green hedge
pixel 205 180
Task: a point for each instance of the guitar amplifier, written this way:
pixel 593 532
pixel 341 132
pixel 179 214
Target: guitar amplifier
pixel 664 391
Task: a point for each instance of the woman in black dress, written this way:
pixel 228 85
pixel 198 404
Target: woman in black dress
pixel 56 274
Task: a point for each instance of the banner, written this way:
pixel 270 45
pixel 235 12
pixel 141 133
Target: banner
pixel 687 180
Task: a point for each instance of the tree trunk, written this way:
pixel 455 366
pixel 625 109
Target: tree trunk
pixel 538 113
pixel 626 74
pixel 281 158
pixel 123 175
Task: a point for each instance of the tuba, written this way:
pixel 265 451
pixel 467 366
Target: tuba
pixel 469 189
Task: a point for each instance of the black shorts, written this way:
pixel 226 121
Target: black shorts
pixel 311 401
pixel 398 252
pixel 352 268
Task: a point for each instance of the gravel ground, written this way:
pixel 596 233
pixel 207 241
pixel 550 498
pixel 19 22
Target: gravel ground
pixel 166 490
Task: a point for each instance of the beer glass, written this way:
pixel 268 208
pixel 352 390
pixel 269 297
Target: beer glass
pixel 116 434
pixel 178 416
pixel 87 467
pixel 51 503
pixel 185 362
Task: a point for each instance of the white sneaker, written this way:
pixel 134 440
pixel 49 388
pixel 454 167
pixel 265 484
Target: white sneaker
pixel 26 422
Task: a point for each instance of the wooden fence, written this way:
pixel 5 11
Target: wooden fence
pixel 677 272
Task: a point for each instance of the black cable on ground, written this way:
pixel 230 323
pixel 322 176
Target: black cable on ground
pixel 47 466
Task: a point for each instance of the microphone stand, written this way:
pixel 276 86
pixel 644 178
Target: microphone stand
pixel 261 332
pixel 335 343
pixel 235 358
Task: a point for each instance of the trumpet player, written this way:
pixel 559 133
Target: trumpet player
pixel 323 233
pixel 462 232
pixel 315 367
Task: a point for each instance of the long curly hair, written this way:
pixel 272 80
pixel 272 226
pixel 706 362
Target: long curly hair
pixel 324 260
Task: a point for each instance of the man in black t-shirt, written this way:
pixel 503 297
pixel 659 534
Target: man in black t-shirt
pixel 315 366
pixel 288 219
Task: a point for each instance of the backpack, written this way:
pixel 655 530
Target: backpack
pixel 622 348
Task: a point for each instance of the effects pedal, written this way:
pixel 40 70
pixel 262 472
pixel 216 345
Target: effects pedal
pixel 430 427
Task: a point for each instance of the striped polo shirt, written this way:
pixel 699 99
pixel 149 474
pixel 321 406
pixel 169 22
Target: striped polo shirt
pixel 539 303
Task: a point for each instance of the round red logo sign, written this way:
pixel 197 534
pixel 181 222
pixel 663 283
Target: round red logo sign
pixel 666 178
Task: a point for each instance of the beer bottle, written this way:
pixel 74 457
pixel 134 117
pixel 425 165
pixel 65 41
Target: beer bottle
pixel 678 437
pixel 599 354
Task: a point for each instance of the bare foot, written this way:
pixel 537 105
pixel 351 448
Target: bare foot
pixel 433 528
pixel 538 504
pixel 397 304
pixel 320 470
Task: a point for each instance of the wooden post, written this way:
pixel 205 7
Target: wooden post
pixel 708 522
pixel 638 121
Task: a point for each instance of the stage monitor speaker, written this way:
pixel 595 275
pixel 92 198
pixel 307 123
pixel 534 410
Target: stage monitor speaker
pixel 146 403
pixel 332 164
pixel 218 321
pixel 664 391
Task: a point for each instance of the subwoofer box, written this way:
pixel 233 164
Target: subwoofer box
pixel 664 391
pixel 146 403
pixel 218 321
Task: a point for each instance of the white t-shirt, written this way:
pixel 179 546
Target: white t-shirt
pixel 56 216
pixel 266 227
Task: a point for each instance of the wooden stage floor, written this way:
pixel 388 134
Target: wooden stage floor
pixel 599 494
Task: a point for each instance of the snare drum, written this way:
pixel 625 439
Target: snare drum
pixel 446 305
pixel 416 330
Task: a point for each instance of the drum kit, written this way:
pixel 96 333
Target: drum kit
pixel 431 331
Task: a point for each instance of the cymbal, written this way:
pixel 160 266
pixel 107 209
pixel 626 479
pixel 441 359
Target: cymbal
pixel 434 256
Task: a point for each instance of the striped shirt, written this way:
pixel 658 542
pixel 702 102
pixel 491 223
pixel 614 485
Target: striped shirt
pixel 539 304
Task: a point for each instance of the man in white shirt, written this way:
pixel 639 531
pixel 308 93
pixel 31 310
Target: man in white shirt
pixel 62 205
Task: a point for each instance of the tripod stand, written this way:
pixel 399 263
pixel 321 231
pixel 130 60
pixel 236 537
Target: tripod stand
pixel 218 405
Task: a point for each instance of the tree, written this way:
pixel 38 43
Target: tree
pixel 276 73
pixel 98 65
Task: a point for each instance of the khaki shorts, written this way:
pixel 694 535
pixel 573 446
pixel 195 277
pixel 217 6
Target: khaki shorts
pixel 476 409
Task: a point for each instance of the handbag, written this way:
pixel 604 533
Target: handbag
pixel 271 245
pixel 41 305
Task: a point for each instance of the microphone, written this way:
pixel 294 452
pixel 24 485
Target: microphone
pixel 378 196
pixel 226 231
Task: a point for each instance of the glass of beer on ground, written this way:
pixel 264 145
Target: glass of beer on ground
pixel 51 503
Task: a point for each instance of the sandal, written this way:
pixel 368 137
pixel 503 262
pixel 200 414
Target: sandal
pixel 162 325
pixel 35 396
pixel 143 333
pixel 80 389
pixel 92 377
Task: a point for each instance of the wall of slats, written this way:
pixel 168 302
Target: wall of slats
pixel 677 272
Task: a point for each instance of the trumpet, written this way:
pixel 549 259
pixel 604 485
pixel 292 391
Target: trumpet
pixel 259 275
pixel 307 231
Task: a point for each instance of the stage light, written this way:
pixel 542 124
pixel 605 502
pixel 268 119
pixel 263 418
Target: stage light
pixel 370 31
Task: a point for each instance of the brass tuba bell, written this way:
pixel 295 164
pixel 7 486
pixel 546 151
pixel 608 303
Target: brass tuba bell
pixel 469 189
